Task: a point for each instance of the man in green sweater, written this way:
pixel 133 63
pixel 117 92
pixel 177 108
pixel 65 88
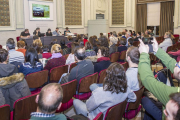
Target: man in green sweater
pixel 159 89
pixel 49 100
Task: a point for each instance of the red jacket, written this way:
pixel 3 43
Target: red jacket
pixel 85 40
pixel 46 55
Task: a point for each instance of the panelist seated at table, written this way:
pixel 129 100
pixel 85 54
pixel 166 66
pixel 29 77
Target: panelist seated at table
pixel 56 32
pixel 37 32
pixel 49 33
pixel 25 34
pixel 66 31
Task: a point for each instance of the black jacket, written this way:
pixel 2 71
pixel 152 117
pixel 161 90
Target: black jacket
pixel 101 66
pixel 137 38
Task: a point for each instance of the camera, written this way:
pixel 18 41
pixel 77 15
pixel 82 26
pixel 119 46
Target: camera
pixel 148 41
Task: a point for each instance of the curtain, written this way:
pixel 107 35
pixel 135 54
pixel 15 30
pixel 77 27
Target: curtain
pixel 141 18
pixel 166 17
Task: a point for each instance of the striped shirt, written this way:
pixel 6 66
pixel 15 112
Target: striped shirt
pixel 16 56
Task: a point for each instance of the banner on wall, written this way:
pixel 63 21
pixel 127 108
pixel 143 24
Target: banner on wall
pixel 40 10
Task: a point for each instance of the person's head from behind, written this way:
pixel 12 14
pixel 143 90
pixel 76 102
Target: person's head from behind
pixel 119 34
pixel 95 37
pixel 125 30
pixel 50 98
pixel 130 31
pixel 21 44
pixel 103 52
pixel 81 43
pixel 132 55
pixel 138 34
pixel 114 34
pixel 31 56
pixel 115 80
pixel 45 48
pixel 122 41
pixel 167 35
pixel 74 46
pixel 104 41
pixel 62 42
pixel 78 37
pixel 10 44
pixel 123 33
pixel 56 48
pixel 92 41
pixel 101 34
pixel 133 32
pixel 4 56
pixel 79 54
pixel 37 43
pixel 85 36
pixel 130 41
pixel 69 38
pixel 172 111
pixel 54 41
pixel 88 46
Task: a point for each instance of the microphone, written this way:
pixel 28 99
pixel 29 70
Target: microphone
pixel 59 32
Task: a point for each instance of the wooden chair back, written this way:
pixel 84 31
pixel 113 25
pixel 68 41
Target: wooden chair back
pixel 116 112
pixel 114 57
pixel 56 73
pixel 5 112
pixel 24 106
pixel 72 65
pixel 178 45
pixel 85 82
pixel 99 116
pixel 69 90
pixel 169 49
pixel 37 79
pixel 135 105
pixel 102 75
pixel 176 39
pixel 123 55
pixel 125 65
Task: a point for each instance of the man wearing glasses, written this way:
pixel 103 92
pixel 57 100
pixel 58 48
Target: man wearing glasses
pixel 168 96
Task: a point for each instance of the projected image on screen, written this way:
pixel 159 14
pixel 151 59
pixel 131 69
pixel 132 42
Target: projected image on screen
pixel 40 11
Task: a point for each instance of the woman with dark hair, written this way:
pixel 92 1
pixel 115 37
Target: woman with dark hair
pixel 104 41
pixel 64 48
pixel 81 43
pixel 89 50
pixel 122 46
pixel 114 91
pixel 32 63
pixel 134 33
pixel 103 60
pixel 78 37
pixel 93 43
pixel 49 33
pixel 54 41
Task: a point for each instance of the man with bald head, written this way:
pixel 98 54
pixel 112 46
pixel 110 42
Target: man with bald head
pixel 49 100
pixel 83 68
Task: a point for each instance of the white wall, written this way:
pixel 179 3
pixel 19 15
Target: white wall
pixel 177 17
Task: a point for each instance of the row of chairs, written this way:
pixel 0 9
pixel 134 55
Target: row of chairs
pixel 173 47
pixel 114 57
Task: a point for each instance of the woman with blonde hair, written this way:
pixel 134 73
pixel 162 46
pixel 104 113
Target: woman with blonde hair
pixel 56 59
pixel 37 45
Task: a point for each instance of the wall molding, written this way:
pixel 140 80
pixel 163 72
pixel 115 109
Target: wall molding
pixel 12 10
pixel 19 14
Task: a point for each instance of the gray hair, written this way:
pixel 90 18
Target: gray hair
pixel 114 33
pixel 10 43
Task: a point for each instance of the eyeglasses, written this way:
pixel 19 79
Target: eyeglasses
pixel 177 64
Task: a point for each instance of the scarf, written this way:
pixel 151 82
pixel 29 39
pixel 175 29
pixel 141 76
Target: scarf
pixel 56 55
pixel 103 59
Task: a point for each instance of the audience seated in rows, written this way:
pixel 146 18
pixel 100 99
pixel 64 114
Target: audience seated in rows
pixel 81 43
pixel 71 57
pixel 159 89
pixel 37 45
pixel 167 41
pixel 114 91
pixel 69 41
pixel 78 37
pixel 21 47
pixel 103 41
pixel 132 57
pixel 56 59
pixel 13 85
pixel 83 68
pixel 49 100
pixel 85 38
pixel 130 42
pixel 14 56
pixel 103 60
pixel 89 49
pixel 112 43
